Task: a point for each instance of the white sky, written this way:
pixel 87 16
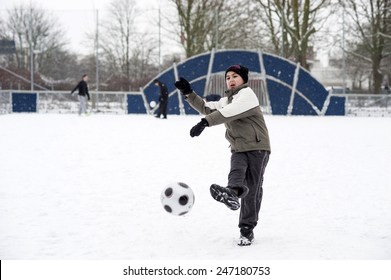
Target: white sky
pixel 61 5
pixel 78 17
pixel 79 5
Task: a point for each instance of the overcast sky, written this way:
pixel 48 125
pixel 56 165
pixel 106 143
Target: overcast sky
pixel 78 17
pixel 65 4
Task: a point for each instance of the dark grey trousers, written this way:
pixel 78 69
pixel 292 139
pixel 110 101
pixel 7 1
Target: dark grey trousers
pixel 247 169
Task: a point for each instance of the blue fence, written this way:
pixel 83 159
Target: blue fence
pixel 289 88
pixel 135 104
pixel 24 102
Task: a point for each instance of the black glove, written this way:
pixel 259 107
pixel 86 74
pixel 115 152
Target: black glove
pixel 198 128
pixel 184 86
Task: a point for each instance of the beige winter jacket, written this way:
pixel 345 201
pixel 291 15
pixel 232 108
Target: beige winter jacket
pixel 242 116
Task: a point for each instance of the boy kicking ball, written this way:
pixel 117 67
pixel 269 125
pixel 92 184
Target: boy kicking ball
pixel 247 133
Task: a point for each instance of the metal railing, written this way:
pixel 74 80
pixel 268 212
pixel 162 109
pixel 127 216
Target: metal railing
pixel 62 102
pixel 360 105
pixel 367 105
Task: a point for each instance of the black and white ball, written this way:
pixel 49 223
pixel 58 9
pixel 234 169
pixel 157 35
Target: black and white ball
pixel 177 198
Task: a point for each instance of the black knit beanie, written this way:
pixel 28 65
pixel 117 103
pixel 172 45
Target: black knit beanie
pixel 242 71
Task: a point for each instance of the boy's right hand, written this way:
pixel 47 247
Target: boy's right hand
pixel 184 86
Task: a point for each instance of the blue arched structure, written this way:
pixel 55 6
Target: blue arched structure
pixel 289 90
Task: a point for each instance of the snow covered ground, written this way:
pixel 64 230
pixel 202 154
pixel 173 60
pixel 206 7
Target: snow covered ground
pixel 89 188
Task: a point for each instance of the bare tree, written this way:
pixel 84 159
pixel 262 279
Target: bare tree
pixel 274 21
pixel 126 51
pixel 291 24
pixel 36 34
pixel 2 29
pixel 207 24
pixel 372 26
pixel 239 26
pixel 196 21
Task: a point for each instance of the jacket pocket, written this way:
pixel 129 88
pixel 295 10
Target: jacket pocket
pixel 256 133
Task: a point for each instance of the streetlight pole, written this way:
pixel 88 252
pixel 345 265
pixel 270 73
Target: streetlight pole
pixel 282 31
pixel 160 42
pixel 31 50
pixel 217 29
pixel 97 55
pixel 343 51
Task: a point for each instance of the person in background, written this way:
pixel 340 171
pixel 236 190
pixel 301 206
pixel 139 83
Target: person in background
pixel 163 99
pixel 83 94
pixel 248 135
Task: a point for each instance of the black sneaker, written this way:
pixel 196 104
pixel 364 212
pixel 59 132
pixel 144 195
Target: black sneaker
pixel 246 240
pixel 226 196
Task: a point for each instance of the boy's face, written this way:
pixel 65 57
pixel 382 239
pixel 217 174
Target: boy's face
pixel 233 80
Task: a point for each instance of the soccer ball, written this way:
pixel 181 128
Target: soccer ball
pixel 152 104
pixel 177 198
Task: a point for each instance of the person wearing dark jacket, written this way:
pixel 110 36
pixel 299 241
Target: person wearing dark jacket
pixel 163 99
pixel 247 133
pixel 82 86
